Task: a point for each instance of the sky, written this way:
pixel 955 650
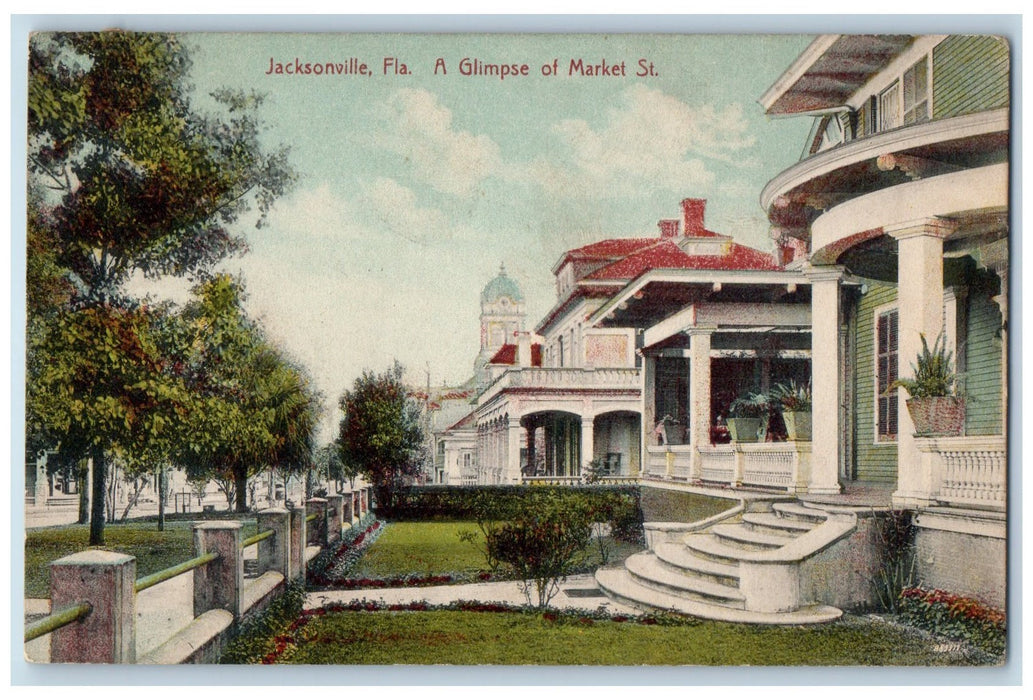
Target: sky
pixel 417 183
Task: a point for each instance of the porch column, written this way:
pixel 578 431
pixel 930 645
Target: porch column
pixel 699 394
pixel 825 361
pixel 920 311
pixel 648 411
pixel 513 465
pixel 587 442
pixel 995 257
pixel 530 446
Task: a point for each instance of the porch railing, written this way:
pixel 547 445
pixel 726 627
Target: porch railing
pixel 781 465
pixel 968 471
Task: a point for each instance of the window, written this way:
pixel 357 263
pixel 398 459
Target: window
pixel 889 107
pixel 886 374
pixel 916 93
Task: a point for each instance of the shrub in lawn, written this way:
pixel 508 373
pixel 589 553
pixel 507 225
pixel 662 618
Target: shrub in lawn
pixel 541 544
pixel 261 636
pixel 955 617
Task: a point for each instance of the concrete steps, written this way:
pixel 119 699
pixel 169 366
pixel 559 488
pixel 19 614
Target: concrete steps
pixel 619 585
pixel 703 573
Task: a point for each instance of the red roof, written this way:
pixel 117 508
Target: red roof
pixel 466 421
pixel 507 354
pixel 665 254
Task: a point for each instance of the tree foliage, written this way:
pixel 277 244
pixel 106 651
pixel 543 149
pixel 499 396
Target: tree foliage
pixel 125 177
pixel 256 410
pixel 381 434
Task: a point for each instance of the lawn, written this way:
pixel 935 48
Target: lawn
pixel 465 638
pixel 430 548
pixel 154 550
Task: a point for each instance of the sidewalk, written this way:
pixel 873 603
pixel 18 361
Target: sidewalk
pixel 576 593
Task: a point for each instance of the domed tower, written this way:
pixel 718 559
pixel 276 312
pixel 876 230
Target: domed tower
pixel 502 316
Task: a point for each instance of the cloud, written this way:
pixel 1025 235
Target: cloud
pixel 315 212
pixel 393 208
pixel 649 140
pixel 419 128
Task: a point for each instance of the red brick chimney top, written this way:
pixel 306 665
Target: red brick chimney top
pixel 693 211
pixel 668 228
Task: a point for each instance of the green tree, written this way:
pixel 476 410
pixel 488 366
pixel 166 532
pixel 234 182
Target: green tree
pixel 256 410
pixel 130 179
pixel 380 433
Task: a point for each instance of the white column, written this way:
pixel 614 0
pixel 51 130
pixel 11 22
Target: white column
pixel 920 311
pixel 587 441
pixel 825 361
pixel 699 395
pixel 648 405
pixel 514 437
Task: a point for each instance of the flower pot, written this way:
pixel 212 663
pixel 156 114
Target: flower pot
pixel 744 429
pixel 937 416
pixel 798 425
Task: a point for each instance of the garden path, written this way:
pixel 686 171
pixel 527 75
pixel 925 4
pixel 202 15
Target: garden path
pixel 576 593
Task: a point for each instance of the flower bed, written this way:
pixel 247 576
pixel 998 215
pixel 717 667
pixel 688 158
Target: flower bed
pixel 331 565
pixel 955 617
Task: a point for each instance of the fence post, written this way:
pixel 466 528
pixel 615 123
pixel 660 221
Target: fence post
pixel 298 540
pixel 218 583
pixel 273 552
pixel 364 499
pixel 336 514
pixel 356 505
pixel 348 509
pixel 319 532
pixel 106 581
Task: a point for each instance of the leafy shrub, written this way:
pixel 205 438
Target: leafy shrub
pixel 955 617
pixel 897 532
pixel 749 406
pixel 257 638
pixel 792 396
pixel 542 543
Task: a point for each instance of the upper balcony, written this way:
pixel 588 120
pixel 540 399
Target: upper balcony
pixel 800 194
pixel 564 379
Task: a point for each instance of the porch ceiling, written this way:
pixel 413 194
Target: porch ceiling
pixel 657 301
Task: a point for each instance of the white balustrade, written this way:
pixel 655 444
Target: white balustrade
pixel 968 471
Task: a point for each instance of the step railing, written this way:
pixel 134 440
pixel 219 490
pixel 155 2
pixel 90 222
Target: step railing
pixel 94 593
pixel 967 471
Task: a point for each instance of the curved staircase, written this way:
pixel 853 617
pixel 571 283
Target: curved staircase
pixel 743 567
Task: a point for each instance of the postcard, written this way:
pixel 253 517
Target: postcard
pixel 517 349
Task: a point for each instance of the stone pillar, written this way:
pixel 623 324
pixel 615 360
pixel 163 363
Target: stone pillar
pixel 298 538
pixel 274 552
pixel 531 456
pixel 218 583
pixel 336 515
pixel 699 395
pixel 356 505
pixel 106 581
pixel 513 435
pixel 587 442
pixel 318 533
pixel 364 500
pixel 347 509
pixel 825 361
pixel 920 311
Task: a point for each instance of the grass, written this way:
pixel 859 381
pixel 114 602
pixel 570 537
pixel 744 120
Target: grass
pixel 154 550
pixel 661 505
pixel 430 548
pixel 467 638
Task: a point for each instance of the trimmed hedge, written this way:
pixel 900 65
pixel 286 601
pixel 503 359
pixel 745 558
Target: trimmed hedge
pixel 618 505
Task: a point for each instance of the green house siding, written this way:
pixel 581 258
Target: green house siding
pixel 982 376
pixel 875 461
pixel 970 74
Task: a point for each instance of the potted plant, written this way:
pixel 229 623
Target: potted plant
pixel 794 402
pixel 747 414
pixel 936 408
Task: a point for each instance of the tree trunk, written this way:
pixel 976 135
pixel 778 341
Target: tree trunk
pixel 240 485
pixel 161 497
pixel 82 482
pixel 100 472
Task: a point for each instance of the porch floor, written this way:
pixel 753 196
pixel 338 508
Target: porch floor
pixel 857 495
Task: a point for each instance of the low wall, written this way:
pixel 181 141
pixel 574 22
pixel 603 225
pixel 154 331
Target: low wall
pixel 963 553
pixel 844 575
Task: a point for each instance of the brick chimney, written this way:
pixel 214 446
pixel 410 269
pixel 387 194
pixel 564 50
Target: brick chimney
pixel 693 212
pixel 668 228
